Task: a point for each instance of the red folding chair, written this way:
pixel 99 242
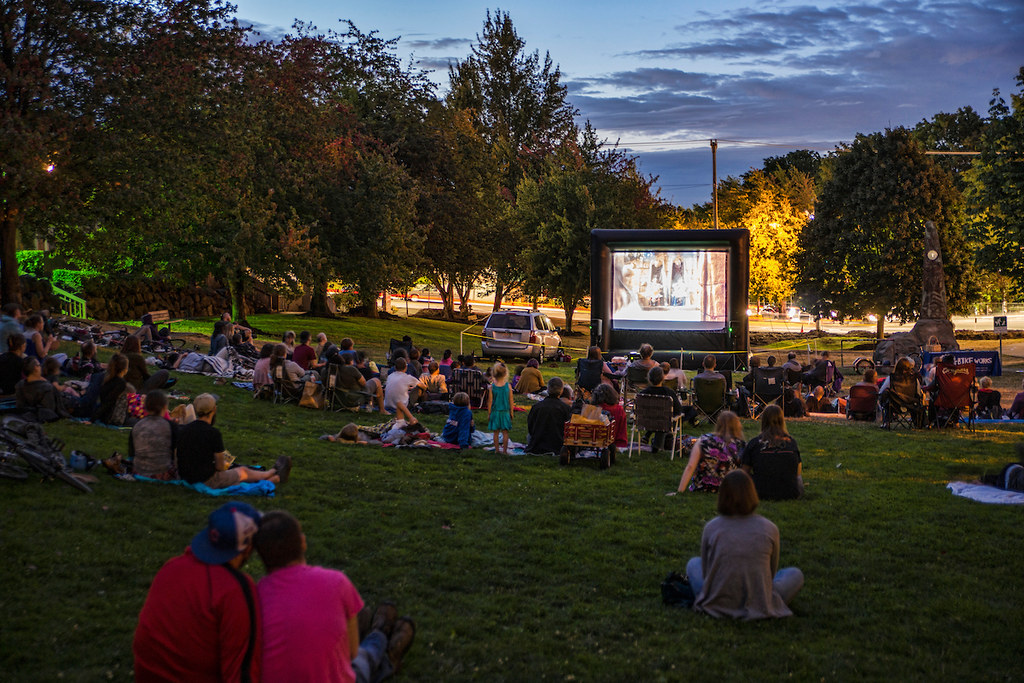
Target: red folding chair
pixel 862 403
pixel 955 395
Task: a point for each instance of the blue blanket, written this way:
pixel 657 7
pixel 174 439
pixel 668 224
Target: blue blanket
pixel 249 488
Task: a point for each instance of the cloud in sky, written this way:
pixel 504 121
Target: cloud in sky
pixel 804 74
pixel 812 74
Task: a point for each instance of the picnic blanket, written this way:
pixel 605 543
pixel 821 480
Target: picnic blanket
pixel 985 494
pixel 248 488
pixel 227 363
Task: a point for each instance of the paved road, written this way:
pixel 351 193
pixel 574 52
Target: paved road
pixel 582 317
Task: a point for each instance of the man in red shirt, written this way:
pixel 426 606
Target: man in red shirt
pixel 304 355
pixel 201 619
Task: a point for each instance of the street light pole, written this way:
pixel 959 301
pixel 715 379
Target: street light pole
pixel 714 181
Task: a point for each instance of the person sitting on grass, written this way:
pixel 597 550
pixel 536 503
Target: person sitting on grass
pixel 792 404
pixel 606 398
pixel 304 355
pixel 817 403
pixel 546 420
pixel 152 442
pixel 138 374
pixel 311 616
pixel 737 574
pixel 772 458
pixel 113 396
pixel 200 621
pixel 202 458
pixel 432 383
pixel 84 363
pixel 51 373
pixel 12 363
pixel 291 373
pixel 714 455
pixel 352 383
pixel 288 339
pixel 36 346
pixel 1016 410
pixel 218 340
pixel 656 387
pixel 398 391
pixel 36 396
pixel 531 381
pixel 261 372
pixel 446 358
pixel 458 429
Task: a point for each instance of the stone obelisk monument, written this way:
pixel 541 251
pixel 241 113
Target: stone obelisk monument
pixel 934 317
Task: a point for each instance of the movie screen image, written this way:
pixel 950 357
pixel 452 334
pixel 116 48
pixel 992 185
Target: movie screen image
pixel 670 290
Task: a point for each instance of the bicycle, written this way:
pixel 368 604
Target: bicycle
pixel 28 441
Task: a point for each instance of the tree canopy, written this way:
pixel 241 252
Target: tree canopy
pixel 862 253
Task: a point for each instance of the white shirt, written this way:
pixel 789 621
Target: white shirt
pixel 396 390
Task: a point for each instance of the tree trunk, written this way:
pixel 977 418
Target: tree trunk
pixel 463 291
pixel 880 327
pixel 318 299
pixel 499 294
pixel 445 290
pixel 568 310
pixel 10 285
pixel 236 286
pixel 369 303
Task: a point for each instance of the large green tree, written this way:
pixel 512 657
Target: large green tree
pixel 52 54
pixel 583 188
pixel 995 188
pixel 519 103
pixel 862 253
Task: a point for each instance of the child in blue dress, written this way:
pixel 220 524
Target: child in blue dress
pixel 500 406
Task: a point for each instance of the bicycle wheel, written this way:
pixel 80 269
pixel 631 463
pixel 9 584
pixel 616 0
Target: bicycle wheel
pixel 8 471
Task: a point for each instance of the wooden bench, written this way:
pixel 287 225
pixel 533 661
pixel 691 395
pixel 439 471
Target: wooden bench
pixel 163 316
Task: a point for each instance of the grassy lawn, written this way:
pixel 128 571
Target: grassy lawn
pixel 517 569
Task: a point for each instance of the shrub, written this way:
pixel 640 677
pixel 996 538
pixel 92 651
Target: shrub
pixel 31 261
pixel 73 280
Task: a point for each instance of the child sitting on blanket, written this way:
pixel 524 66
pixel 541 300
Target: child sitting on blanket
pixel 459 427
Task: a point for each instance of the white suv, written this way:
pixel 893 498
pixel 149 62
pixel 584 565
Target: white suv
pixel 515 334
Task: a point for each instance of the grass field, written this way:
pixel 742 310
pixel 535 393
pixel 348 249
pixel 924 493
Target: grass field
pixel 517 569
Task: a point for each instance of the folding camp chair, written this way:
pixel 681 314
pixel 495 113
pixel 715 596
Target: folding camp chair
pixel 955 395
pixel 285 390
pixel 394 345
pixel 708 398
pixel 633 381
pixel 338 399
pixel 769 383
pixel 653 413
pixel 901 407
pixel 472 382
pixel 862 403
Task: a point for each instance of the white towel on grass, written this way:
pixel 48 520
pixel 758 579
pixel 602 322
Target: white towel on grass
pixel 985 494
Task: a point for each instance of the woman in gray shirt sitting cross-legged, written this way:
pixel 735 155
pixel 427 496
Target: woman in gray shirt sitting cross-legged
pixel 737 574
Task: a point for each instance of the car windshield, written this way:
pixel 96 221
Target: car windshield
pixel 508 321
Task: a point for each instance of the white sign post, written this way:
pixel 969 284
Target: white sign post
pixel 1000 328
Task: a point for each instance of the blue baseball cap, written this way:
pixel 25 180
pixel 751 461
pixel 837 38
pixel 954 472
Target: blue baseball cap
pixel 228 533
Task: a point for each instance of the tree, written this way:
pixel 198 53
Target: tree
pixel 995 188
pixel 960 131
pixel 461 205
pixel 862 253
pixel 519 104
pixel 186 171
pixel 775 229
pixel 50 54
pixel 583 188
